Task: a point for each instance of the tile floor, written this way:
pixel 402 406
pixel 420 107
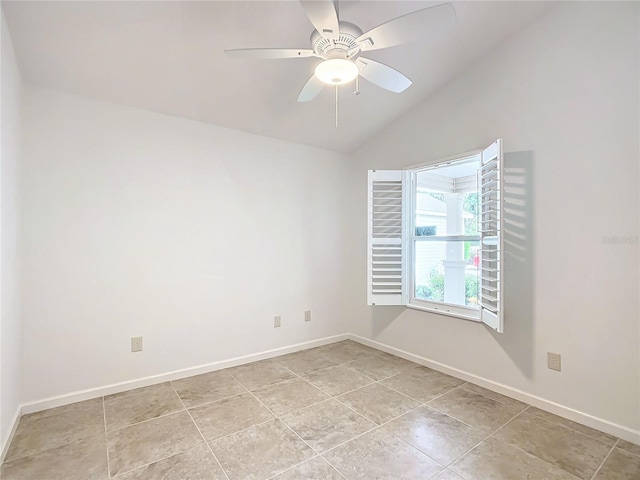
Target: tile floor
pixel 341 411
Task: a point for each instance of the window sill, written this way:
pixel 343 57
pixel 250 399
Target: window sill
pixel 474 317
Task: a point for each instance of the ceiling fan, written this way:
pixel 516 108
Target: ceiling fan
pixel 340 44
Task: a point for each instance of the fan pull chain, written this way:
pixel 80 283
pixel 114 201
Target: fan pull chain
pixel 336 106
pixel 357 92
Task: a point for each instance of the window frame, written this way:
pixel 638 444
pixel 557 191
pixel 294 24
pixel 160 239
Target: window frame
pixel 390 243
pixel 472 313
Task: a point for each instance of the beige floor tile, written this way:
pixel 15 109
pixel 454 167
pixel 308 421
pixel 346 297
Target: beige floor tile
pixel 361 346
pixel 82 460
pixel 378 403
pixel 475 409
pixel 207 387
pixel 261 451
pixel 289 396
pixel 195 464
pixel 381 456
pixel 494 460
pixel 621 465
pixel 306 361
pixel 72 409
pixel 230 415
pixel 133 406
pixel 550 441
pixel 422 383
pixel 337 380
pixel 380 366
pixel 346 351
pixel 605 438
pixel 441 437
pixel 447 475
pixel 52 428
pixel 147 442
pixel 260 374
pixel 629 447
pixel 512 402
pixel 327 425
pixel 316 468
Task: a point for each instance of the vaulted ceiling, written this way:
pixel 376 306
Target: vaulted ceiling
pixel 168 57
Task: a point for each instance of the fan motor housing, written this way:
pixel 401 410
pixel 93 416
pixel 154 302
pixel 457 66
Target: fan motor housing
pixel 346 46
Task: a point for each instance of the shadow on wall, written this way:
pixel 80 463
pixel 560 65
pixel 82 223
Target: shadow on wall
pixel 519 271
pixel 383 316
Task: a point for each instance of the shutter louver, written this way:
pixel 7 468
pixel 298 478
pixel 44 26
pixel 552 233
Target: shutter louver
pixel 385 268
pixel 491 232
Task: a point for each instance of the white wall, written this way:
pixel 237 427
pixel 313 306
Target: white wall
pixel 11 93
pixel 187 234
pixel 564 96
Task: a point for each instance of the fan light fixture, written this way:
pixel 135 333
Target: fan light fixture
pixel 336 71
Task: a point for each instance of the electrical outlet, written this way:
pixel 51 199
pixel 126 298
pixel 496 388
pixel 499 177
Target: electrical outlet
pixel 307 315
pixel 136 344
pixel 277 321
pixel 553 361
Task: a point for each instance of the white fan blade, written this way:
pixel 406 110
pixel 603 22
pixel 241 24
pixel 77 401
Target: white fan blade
pixel 267 53
pixel 311 89
pixel 426 22
pixel 382 75
pixel 323 16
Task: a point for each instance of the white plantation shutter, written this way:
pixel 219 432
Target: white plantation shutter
pixel 385 258
pixel 490 188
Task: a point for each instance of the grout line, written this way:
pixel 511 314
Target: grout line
pixel 403 394
pixel 334 395
pixel 380 426
pixel 244 429
pixel 458 420
pixel 450 464
pixel 201 435
pixel 285 424
pixel 210 402
pixel 517 447
pixel 347 406
pixel 574 430
pixel 331 397
pixel 302 463
pixel 106 440
pixel 605 459
pixel 508 421
pixel 486 435
pixel 542 420
pixel 444 467
pixel 277 417
pixel 292 467
pixel 505 403
pixel 376 427
pixel 295 375
pixel 427 404
pixel 626 451
pixel 155 461
pixel 442 395
pixel 147 420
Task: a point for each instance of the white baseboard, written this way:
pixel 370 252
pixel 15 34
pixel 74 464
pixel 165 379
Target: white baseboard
pixel 547 405
pixel 12 431
pixel 88 394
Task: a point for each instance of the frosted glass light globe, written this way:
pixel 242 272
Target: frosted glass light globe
pixel 336 71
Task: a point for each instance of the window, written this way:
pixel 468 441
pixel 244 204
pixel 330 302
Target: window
pixel 435 237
